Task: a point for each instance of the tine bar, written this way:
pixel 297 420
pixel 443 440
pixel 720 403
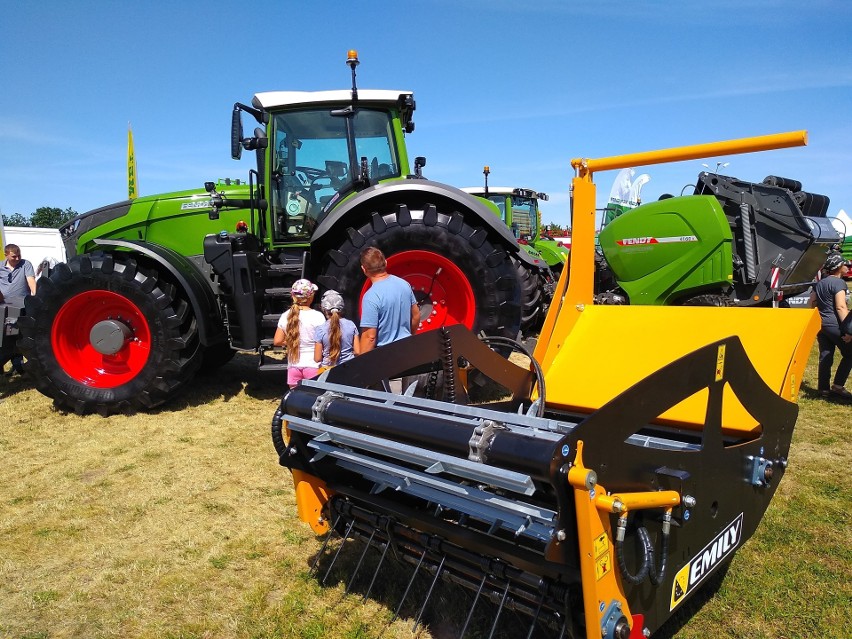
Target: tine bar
pixel 411 581
pixel 499 610
pixel 475 600
pixel 429 593
pixel 325 543
pixel 339 548
pixel 360 561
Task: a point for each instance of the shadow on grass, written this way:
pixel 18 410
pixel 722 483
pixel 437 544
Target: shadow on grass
pixel 403 592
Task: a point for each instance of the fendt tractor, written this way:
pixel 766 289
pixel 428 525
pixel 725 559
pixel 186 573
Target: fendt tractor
pixel 518 209
pixel 158 286
pixel 610 485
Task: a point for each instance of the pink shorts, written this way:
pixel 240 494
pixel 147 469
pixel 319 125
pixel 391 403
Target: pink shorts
pixel 296 374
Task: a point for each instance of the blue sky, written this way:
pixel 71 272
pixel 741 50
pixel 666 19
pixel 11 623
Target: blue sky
pixel 522 87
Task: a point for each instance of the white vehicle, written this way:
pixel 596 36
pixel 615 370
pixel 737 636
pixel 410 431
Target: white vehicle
pixel 37 245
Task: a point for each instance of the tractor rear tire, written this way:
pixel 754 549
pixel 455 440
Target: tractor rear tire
pixel 458 274
pixel 102 335
pixel 531 298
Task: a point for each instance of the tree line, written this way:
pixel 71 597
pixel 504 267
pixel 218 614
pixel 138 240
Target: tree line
pixel 47 217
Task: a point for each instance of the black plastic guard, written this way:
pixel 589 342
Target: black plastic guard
pixel 731 478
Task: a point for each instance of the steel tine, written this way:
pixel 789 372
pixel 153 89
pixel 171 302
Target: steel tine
pixel 499 610
pixel 360 561
pixel 475 600
pixel 564 628
pixel 429 594
pixel 408 587
pixel 378 567
pixel 339 548
pixel 325 543
pixel 535 616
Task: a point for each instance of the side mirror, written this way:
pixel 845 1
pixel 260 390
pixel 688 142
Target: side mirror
pixel 236 133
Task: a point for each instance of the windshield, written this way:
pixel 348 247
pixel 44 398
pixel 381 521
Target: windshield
pixel 524 213
pixel 310 163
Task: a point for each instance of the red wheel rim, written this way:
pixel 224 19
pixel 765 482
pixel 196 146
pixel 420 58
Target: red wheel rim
pixel 444 293
pixel 74 352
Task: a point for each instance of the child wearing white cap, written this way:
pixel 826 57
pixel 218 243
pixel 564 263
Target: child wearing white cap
pixel 296 332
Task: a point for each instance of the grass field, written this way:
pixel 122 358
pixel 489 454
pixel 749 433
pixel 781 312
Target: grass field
pixel 181 524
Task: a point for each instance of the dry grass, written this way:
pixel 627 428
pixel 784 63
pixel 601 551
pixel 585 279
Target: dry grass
pixel 181 524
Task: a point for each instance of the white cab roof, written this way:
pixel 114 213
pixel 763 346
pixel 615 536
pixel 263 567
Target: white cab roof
pixel 497 190
pixel 277 99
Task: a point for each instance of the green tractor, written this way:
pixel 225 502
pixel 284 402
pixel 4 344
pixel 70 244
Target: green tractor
pixel 159 287
pixel 518 209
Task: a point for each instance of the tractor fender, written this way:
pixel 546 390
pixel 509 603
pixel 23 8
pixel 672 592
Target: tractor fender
pixel 188 277
pixel 415 193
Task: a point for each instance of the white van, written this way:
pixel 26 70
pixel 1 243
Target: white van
pixel 36 244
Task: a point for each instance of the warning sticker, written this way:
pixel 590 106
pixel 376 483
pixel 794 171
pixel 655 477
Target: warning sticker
pixel 603 565
pixel 601 545
pixel 720 363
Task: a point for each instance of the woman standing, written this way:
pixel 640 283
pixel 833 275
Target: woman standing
pixel 829 297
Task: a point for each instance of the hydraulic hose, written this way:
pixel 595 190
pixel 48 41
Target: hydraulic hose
pixel 648 567
pixel 539 374
pixel 647 552
pixel 277 430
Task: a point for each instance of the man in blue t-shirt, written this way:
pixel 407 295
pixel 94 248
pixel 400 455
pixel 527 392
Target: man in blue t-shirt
pixel 389 310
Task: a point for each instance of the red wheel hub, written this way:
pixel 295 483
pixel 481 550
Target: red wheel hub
pixel 442 290
pixel 101 339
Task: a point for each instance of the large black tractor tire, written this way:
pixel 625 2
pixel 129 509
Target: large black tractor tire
pixel 532 298
pixel 458 273
pixel 102 335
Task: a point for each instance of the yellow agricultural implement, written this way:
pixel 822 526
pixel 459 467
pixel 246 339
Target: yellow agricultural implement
pixel 626 466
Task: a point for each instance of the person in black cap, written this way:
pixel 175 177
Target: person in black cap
pixel 829 297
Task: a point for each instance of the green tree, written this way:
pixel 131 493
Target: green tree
pixel 51 217
pixel 16 219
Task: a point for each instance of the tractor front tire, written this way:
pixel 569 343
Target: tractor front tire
pixel 458 273
pixel 103 335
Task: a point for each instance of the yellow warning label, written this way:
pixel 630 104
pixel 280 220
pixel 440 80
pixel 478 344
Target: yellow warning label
pixel 680 586
pixel 601 545
pixel 720 363
pixel 603 565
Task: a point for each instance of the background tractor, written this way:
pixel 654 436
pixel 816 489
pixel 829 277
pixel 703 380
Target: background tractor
pixel 157 287
pixel 518 209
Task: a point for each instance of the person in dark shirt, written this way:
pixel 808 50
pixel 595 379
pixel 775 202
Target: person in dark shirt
pixel 17 281
pixel 829 297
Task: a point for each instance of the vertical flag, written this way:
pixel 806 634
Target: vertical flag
pixel 132 191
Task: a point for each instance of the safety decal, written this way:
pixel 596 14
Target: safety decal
pixel 678 239
pixel 720 363
pixel 702 564
pixel 603 564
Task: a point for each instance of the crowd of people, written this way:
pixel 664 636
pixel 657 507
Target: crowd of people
pixel 316 341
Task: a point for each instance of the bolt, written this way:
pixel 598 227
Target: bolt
pixel 561 535
pixel 689 501
pixel 429 321
pixel 434 312
pixel 646 632
pixel 442 302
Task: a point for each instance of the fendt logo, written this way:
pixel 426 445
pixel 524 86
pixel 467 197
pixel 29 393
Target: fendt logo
pixel 723 545
pixel 636 241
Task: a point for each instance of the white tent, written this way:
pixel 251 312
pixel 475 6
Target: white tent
pixel 842 223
